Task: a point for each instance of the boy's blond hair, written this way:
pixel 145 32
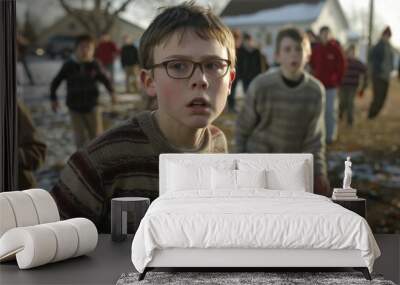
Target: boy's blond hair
pixel 181 18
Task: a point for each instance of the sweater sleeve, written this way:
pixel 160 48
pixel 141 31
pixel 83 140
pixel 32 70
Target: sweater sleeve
pixel 103 78
pixel 55 83
pixel 247 119
pixel 314 141
pixel 80 192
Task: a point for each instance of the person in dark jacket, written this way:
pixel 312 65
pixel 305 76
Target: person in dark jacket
pixel 82 73
pixel 398 70
pixel 381 59
pixel 130 64
pixel 252 61
pixel 31 148
pixel 328 65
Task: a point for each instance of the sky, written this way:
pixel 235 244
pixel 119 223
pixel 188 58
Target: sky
pixel 142 12
pixel 386 13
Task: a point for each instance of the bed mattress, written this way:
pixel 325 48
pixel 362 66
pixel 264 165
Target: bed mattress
pixel 251 219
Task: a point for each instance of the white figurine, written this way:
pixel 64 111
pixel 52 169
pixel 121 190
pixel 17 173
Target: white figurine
pixel 347 174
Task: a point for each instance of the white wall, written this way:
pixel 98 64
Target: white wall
pixel 330 16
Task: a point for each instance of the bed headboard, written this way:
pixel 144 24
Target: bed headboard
pixel 212 159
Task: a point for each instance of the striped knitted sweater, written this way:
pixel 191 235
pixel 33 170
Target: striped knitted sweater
pixel 280 119
pixel 121 162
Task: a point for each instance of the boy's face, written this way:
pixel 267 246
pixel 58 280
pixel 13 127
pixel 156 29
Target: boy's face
pixel 85 51
pixel 325 35
pixel 351 52
pixel 193 102
pixel 292 55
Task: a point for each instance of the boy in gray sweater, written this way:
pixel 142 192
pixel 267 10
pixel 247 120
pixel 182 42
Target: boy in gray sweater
pixel 283 112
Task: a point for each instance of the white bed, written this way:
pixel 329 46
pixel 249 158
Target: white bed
pixel 247 210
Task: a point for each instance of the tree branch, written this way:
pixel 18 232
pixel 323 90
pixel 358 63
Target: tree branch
pixel 100 19
pixel 110 18
pixel 122 8
pixel 107 7
pixel 74 13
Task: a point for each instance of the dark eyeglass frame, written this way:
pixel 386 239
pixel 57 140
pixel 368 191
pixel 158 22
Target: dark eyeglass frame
pixel 195 64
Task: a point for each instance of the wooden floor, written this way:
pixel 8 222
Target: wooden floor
pixel 389 262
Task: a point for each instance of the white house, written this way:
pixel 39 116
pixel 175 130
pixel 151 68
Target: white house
pixel 263 19
pixel 69 26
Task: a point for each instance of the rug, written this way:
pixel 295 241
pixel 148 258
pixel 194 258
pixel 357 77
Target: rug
pixel 244 278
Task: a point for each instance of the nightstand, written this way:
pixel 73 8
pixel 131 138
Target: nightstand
pixel 119 216
pixel 357 205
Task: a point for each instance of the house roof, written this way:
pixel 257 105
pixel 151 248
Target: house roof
pixel 66 16
pixel 301 11
pixel 54 28
pixel 243 7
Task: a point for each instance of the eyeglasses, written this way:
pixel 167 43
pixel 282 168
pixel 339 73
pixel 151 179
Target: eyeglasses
pixel 184 68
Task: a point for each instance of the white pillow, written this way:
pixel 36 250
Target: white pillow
pixel 235 179
pixel 251 178
pixel 223 179
pixel 289 177
pixel 188 177
pixel 281 174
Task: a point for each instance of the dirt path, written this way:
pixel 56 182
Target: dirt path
pixel 379 135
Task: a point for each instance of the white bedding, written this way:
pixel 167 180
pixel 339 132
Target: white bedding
pixel 252 218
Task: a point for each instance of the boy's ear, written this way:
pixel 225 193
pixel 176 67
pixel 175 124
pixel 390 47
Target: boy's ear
pixel 147 81
pixel 232 76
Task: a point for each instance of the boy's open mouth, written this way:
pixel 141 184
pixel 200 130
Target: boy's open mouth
pixel 199 102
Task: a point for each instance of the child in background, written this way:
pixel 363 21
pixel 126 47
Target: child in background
pixel 82 73
pixel 355 73
pixel 328 64
pixel 284 109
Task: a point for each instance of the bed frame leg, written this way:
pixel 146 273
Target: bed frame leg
pixel 143 274
pixel 364 271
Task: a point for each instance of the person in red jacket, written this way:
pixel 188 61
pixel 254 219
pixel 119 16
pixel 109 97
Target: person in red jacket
pixel 106 52
pixel 328 65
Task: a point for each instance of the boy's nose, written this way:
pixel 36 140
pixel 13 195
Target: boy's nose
pixel 199 79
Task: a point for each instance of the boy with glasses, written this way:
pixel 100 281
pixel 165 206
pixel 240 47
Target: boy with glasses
pixel 284 109
pixel 187 57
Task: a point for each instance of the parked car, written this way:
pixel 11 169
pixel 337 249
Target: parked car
pixel 60 46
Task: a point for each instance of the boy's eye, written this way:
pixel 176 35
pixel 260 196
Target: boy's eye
pixel 214 65
pixel 178 66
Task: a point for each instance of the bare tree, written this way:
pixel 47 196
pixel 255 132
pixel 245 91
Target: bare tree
pixel 100 18
pixel 28 29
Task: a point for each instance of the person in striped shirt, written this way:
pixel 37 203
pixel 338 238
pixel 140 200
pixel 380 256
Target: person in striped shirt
pixel 187 56
pixel 354 81
pixel 284 109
